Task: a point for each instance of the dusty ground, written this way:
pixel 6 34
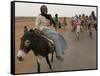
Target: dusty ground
pixel 29 60
pixel 22 67
pixel 81 56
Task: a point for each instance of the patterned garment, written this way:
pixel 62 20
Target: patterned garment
pixel 60 42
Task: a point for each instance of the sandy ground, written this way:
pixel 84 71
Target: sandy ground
pixel 75 58
pixel 22 67
pixel 29 60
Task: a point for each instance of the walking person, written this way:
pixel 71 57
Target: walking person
pixel 56 22
pixel 92 24
pixel 93 19
pixel 74 21
pixel 78 28
pixel 65 23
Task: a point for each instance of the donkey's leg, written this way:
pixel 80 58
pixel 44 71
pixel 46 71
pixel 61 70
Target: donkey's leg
pixel 52 53
pixel 48 62
pixel 38 64
pixel 52 56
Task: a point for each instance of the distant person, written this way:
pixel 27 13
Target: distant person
pixel 74 21
pixel 81 27
pixel 83 21
pixel 76 17
pixel 93 20
pixel 78 27
pixel 92 24
pixel 65 23
pixel 72 24
pixel 87 22
pixel 56 21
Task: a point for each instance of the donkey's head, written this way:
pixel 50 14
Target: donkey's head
pixel 26 44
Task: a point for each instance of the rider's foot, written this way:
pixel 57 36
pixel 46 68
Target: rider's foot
pixel 59 57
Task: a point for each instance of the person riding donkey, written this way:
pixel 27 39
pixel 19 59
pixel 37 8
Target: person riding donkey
pixel 42 23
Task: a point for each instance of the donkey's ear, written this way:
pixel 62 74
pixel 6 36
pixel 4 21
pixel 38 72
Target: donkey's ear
pixel 25 29
pixel 20 36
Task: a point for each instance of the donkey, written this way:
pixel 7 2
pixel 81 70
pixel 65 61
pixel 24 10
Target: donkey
pixel 33 40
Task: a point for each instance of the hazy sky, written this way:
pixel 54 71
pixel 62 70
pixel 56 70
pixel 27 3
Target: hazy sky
pixel 33 9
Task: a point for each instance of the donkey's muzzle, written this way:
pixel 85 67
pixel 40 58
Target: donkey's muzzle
pixel 20 58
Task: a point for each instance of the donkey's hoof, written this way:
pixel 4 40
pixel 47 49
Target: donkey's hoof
pixel 51 70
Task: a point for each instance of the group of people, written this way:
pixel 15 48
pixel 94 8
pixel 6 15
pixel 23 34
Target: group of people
pixel 84 22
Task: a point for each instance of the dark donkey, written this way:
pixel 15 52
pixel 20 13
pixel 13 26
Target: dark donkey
pixel 33 40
